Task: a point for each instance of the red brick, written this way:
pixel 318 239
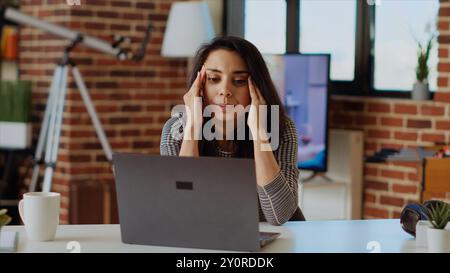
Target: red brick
pixel 442 82
pixel 432 110
pixel 376 213
pixel 443 125
pixel 119 27
pixel 370 171
pixel 156 132
pixel 413 177
pixel 379 134
pixel 375 185
pixel 157 17
pixel 393 122
pixel 106 108
pixel 108 14
pixel 404 188
pixel 119 144
pixel 120 4
pixel 433 137
pixel 141 120
pixel 133 16
pixel 444 12
pixel 379 107
pixel 405 109
pixel 443 25
pixel 131 108
pixel 405 164
pixel 393 174
pixel 95 25
pixel 342 119
pixel 80 133
pixel 444 67
pixel 443 53
pixel 145 5
pixel 391 146
pixel 164 6
pixel 130 132
pixel 119 120
pixel 442 97
pixel 366 120
pixel 421 124
pixel 142 144
pixel 393 201
pixel 405 136
pixel 81 12
pixel 396 214
pixel 369 198
pixel 353 106
pixel 155 108
pixel 370 146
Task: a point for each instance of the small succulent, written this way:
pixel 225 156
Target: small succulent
pixel 4 218
pixel 439 214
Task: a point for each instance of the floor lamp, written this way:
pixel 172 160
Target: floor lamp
pixel 189 25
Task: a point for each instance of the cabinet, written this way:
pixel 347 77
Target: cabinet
pixel 340 196
pixel 436 177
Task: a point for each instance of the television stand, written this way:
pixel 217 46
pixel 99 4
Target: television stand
pixel 321 175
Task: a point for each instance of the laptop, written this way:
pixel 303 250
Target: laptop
pixel 192 202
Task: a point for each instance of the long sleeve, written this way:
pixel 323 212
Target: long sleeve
pixel 172 137
pixel 279 198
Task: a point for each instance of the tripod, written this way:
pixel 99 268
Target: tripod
pixel 50 132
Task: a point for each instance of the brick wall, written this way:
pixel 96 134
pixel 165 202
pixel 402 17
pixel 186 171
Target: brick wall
pixel 132 100
pixel 396 123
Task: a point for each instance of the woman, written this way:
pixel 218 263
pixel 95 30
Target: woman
pixel 230 71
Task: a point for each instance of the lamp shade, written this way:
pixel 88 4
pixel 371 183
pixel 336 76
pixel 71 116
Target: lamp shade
pixel 189 25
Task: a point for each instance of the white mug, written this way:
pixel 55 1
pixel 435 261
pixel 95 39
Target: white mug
pixel 40 214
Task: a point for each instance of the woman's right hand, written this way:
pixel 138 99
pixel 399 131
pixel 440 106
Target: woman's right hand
pixel 193 100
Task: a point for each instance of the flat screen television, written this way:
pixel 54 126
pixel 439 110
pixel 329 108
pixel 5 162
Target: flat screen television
pixel 302 81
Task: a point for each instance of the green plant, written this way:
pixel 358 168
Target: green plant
pixel 439 214
pixel 4 218
pixel 423 55
pixel 15 101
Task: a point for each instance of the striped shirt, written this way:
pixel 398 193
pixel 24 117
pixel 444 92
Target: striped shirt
pixel 278 200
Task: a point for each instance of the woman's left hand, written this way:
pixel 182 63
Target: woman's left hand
pixel 252 121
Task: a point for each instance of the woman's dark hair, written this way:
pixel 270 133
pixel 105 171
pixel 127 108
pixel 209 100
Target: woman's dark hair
pixel 258 72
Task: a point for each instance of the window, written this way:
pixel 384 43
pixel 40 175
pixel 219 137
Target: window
pixel 265 25
pixel 372 43
pixel 318 33
pixel 398 25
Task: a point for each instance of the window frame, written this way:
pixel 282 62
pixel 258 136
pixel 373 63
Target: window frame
pixel 363 82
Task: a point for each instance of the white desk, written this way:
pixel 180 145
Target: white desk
pixel 310 236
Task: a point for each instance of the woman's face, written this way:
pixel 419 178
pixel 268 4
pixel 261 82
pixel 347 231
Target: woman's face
pixel 226 82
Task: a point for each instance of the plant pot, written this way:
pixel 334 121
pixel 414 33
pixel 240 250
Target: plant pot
pixel 15 135
pixel 420 91
pixel 438 240
pixel 421 233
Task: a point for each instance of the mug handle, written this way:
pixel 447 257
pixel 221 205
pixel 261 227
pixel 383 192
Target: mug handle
pixel 21 211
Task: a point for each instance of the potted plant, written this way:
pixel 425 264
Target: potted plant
pixel 421 89
pixel 438 235
pixel 15 114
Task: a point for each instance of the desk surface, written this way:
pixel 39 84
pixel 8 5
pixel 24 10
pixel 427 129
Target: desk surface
pixel 310 236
